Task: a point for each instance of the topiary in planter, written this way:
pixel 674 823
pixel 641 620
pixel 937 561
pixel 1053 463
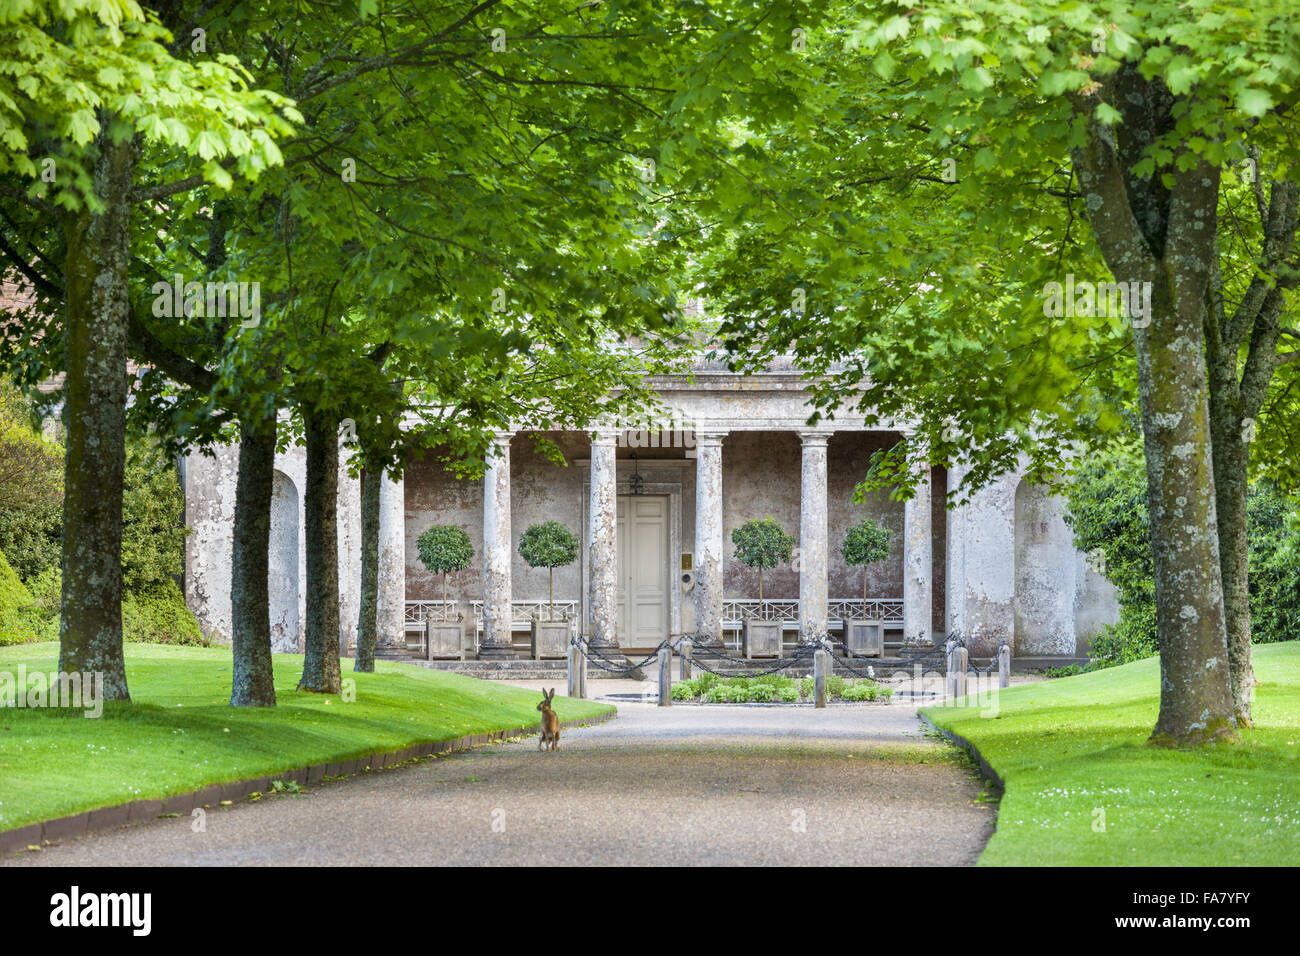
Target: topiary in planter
pixel 445 549
pixel 549 545
pixel 865 543
pixel 762 543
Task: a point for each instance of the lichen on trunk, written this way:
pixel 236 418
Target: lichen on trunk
pixel 368 621
pixel 98 319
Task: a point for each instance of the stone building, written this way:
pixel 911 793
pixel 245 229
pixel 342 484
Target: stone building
pixel 655 512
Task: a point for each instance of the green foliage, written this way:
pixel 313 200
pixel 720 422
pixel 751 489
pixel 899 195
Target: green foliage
pixel 16 625
pixel 445 548
pixel 32 538
pixel 153 512
pixel 762 543
pixel 866 543
pixel 772 688
pixel 158 615
pixel 1108 514
pixel 548 545
pixel 31 489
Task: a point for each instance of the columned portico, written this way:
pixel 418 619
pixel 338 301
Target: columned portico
pixel 602 542
pixel 708 537
pixel 392 561
pixel 918 570
pixel 813 538
pixel 496 551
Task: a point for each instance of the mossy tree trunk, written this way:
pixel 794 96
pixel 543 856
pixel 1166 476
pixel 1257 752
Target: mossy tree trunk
pixel 368 621
pixel 98 320
pixel 321 669
pixel 252 681
pixel 1166 237
pixel 1237 393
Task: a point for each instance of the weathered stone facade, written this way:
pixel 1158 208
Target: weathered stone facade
pixel 734 448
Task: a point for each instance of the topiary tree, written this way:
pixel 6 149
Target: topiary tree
pixel 549 545
pixel 444 549
pixel 762 544
pixel 865 543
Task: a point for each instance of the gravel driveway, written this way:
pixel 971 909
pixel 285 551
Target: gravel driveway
pixel 735 785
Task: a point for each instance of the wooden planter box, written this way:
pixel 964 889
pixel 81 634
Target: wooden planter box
pixel 760 638
pixel 865 638
pixel 550 639
pixel 444 640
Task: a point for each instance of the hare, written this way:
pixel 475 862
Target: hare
pixel 550 722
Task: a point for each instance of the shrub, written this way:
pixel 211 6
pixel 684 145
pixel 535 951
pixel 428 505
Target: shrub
pixel 159 616
pixel 444 549
pixel 865 543
pixel 16 617
pixel 1108 514
pixel 153 509
pixel 762 544
pixel 549 545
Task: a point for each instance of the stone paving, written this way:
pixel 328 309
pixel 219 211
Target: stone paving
pixel 686 785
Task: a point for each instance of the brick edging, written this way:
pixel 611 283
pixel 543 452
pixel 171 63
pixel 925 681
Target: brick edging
pixel 140 811
pixel 960 741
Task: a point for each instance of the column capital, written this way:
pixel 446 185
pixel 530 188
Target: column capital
pixel 712 437
pixel 814 438
pixel 604 435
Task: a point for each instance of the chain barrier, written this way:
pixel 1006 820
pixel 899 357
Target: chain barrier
pixel 604 665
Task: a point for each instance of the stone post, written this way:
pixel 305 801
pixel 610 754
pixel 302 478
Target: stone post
pixel 708 538
pixel 821 676
pixel 1004 665
pixel 602 544
pixel 665 660
pixel 813 536
pixel 497 612
pixel 392 562
pixel 917 564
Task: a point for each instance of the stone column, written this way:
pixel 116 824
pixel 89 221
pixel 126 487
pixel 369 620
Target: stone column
pixel 392 562
pixel 602 543
pixel 918 571
pixel 496 551
pixel 708 538
pixel 813 538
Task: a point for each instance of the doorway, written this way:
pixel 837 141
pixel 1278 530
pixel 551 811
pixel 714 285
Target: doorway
pixel 643 578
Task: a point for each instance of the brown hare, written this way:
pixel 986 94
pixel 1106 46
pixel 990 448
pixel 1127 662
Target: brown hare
pixel 550 722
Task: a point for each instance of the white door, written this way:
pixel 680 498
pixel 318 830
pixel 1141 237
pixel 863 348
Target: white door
pixel 642 570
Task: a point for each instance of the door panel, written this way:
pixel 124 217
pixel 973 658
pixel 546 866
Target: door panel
pixel 643 570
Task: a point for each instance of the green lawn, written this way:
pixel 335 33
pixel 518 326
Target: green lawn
pixel 179 733
pixel 1068 748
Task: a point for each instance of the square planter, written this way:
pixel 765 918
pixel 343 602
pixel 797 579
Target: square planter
pixel 444 640
pixel 760 638
pixel 550 639
pixel 865 638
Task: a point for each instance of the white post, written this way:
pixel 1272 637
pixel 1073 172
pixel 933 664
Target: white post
pixel 1004 665
pixel 685 653
pixel 602 543
pixel 813 539
pixel 497 613
pixel 709 554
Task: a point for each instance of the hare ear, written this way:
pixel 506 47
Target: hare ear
pixel 552 696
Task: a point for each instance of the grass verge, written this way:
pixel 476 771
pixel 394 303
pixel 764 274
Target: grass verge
pixel 1084 789
pixel 179 732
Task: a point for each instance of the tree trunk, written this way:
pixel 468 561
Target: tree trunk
pixel 252 677
pixel 321 669
pixel 1231 459
pixel 1195 699
pixel 98 319
pixel 368 623
pixel 1159 233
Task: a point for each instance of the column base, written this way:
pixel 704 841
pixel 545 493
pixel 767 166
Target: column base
pixel 496 652
pixel 611 655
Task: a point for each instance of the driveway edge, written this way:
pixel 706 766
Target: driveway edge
pixel 139 811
